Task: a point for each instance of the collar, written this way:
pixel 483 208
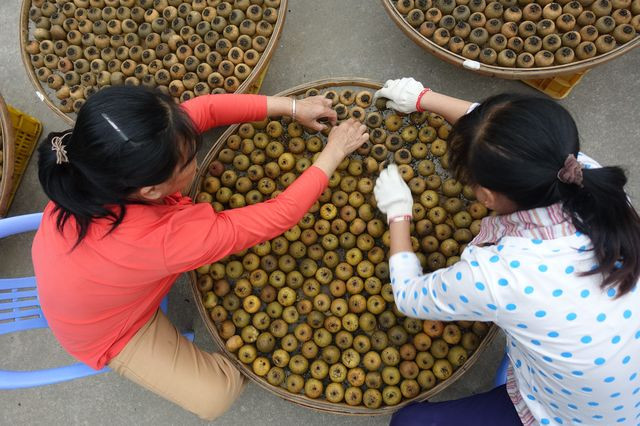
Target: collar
pixel 176 199
pixel 543 223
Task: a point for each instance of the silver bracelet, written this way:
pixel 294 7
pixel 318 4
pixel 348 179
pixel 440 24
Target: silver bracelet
pixel 293 109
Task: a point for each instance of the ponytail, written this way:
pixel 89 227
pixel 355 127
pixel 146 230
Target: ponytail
pixel 125 138
pixel 67 187
pixel 516 145
pixel 602 210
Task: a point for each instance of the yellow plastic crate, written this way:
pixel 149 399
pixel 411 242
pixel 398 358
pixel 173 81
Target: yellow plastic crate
pixel 557 87
pixel 26 132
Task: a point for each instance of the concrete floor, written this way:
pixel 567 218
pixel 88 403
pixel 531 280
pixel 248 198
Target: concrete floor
pixel 321 39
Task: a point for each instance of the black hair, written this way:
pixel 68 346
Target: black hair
pixel 106 165
pixel 516 144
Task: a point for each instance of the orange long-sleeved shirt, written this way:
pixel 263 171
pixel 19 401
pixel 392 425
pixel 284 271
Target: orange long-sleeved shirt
pixel 97 296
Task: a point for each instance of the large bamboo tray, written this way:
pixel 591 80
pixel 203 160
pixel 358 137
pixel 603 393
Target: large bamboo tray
pixel 315 404
pixel 250 85
pixel 497 71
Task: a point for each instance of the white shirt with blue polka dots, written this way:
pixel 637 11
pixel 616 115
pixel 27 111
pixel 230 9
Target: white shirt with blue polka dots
pixel 574 348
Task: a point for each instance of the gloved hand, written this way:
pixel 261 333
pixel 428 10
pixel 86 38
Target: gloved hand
pixel 402 94
pixel 393 195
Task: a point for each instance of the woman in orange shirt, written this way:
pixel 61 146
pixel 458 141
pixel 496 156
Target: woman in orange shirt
pixel 118 233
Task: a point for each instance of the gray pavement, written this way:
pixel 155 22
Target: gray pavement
pixel 321 39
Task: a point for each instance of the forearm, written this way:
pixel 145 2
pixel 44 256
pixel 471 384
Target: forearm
pixel 328 161
pixel 413 292
pixel 197 235
pixel 446 294
pixel 448 107
pixel 400 237
pixel 253 224
pixel 211 111
pixel 278 106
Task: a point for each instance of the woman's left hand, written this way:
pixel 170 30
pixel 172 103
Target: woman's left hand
pixel 312 109
pixel 393 195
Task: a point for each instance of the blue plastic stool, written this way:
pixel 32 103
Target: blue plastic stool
pixel 501 374
pixel 20 310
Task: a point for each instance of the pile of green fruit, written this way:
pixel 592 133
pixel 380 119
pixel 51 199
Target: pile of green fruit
pixel 185 48
pixel 312 311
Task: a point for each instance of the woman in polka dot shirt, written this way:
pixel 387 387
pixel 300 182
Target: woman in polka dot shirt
pixel 556 268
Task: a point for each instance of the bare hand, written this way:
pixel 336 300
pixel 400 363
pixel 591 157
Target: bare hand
pixel 342 141
pixel 310 110
pixel 347 137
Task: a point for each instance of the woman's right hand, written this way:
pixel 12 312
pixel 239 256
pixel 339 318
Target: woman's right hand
pixel 342 141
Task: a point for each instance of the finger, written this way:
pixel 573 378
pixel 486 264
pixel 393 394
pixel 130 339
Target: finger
pixel 348 130
pixel 359 140
pixel 358 133
pixel 351 122
pixel 397 177
pixel 343 125
pixel 330 114
pixel 393 105
pixel 377 189
pixel 326 102
pixel 382 93
pixel 315 125
pixel 385 92
pixel 380 180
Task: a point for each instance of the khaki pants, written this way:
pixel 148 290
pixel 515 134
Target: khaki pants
pixel 160 359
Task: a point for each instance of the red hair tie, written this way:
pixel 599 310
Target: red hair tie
pixel 418 106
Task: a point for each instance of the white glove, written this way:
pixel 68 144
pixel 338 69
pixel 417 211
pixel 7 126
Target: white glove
pixel 393 196
pixel 402 94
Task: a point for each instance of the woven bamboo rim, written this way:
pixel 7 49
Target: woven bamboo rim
pixel 315 404
pixel 8 156
pixel 503 72
pixel 247 86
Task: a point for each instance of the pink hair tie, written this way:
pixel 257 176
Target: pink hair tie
pixel 571 172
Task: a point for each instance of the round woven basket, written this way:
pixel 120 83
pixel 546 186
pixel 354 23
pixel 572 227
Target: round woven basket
pixel 319 405
pixel 251 84
pixel 6 181
pixel 497 71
